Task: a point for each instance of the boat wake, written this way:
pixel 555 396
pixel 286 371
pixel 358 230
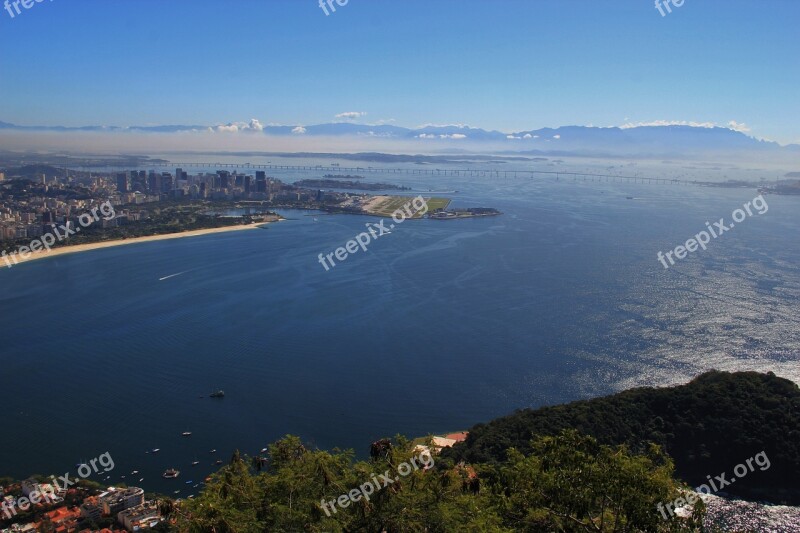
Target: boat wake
pixel 173 275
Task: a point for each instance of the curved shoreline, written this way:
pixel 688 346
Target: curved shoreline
pixel 64 250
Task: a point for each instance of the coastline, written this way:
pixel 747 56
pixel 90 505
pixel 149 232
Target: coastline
pixel 64 250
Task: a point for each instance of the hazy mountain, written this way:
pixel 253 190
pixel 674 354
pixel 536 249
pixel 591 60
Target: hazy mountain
pixel 656 141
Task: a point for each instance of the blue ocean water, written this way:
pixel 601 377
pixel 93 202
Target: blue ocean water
pixel 438 326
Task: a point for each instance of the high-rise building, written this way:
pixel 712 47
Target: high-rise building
pixel 247 184
pixel 122 182
pixel 222 180
pixel 166 182
pixel 2 176
pixel 153 182
pixel 261 175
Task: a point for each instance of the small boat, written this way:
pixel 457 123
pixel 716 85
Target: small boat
pixel 219 462
pixel 134 472
pixel 213 451
pixel 123 477
pixel 189 482
pixel 218 394
pixel 186 434
pixel 141 480
pixel 177 491
pixel 195 463
pixel 263 450
pixel 170 474
pixel 155 450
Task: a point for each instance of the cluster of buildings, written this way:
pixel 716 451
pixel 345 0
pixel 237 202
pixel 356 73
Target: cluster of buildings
pixel 125 507
pixel 222 185
pixel 29 211
pixel 37 208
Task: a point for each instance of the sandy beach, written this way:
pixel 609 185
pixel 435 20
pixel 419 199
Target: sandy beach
pixel 42 254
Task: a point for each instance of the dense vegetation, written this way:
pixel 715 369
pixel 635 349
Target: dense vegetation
pixel 707 427
pixel 568 483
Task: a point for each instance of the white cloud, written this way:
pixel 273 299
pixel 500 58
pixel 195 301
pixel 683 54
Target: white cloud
pixel 373 134
pixel 299 130
pixel 556 136
pixel 736 126
pixel 512 137
pixel 351 115
pixel 528 136
pixel 630 125
pixel 236 127
pixel 731 125
pixel 459 126
pixel 456 136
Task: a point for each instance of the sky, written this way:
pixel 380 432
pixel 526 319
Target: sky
pixel 508 65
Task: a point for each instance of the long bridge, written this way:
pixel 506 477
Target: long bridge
pixel 474 173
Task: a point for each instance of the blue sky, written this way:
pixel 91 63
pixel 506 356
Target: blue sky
pixel 498 64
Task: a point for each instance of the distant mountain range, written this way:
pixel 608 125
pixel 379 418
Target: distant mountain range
pixel 659 141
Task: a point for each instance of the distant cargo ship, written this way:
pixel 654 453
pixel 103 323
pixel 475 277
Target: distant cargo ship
pixel 219 394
